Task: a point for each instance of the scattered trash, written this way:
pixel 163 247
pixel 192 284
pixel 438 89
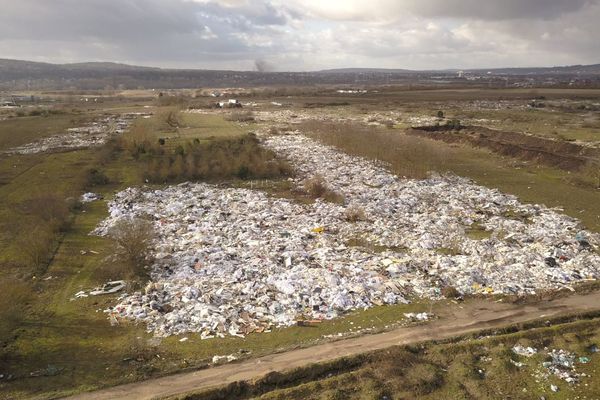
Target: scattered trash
pixel 554 388
pixel 108 288
pixel 562 365
pixel 584 360
pixel 90 197
pixel 524 351
pixel 229 358
pixel 50 370
pixel 183 339
pixel 95 134
pixel 418 316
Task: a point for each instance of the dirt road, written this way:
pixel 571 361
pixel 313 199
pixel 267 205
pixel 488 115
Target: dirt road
pixel 469 317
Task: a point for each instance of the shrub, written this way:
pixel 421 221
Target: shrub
pixel 454 124
pixel 133 239
pixel 450 292
pixel 318 189
pixel 95 177
pixel 240 116
pixel 354 213
pixel 315 186
pixel 51 211
pixel 37 246
pixel 242 158
pixel 14 295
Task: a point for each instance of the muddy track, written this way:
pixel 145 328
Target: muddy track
pixel 470 317
pixel 565 155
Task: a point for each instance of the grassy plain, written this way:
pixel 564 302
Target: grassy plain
pixel 63 346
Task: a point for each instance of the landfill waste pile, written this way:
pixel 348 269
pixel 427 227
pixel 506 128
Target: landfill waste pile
pixel 95 134
pixel 236 261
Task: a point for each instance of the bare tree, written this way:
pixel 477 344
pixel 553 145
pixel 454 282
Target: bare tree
pixel 133 239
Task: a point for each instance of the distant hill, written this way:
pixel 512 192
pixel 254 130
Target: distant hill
pixel 22 75
pixel 366 71
pixel 573 69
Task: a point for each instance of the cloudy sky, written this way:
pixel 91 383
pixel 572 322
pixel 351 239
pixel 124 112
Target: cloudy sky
pixel 300 35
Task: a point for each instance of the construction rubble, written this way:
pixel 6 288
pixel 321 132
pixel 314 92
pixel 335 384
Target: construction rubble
pixel 95 134
pixel 233 261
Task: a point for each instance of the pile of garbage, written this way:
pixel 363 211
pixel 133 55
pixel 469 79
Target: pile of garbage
pixel 95 134
pixel 236 261
pixel 562 365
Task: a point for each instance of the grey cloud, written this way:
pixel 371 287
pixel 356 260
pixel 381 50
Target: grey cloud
pixel 495 10
pixel 160 31
pixel 291 35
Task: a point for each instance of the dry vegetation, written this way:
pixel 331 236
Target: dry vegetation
pixel 317 188
pixel 226 158
pixel 133 240
pixel 407 156
pixel 240 116
pixel 355 213
pixel 14 296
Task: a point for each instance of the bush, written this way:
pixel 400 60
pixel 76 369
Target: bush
pixel 50 211
pixel 241 116
pixel 316 186
pixel 95 177
pixel 354 213
pixel 133 239
pixel 318 189
pixel 14 295
pixel 242 158
pixel 454 124
pixel 450 292
pixel 37 246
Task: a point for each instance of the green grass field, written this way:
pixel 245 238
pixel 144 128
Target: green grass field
pixel 21 130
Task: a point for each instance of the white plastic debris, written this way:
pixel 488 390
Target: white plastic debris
pixel 418 316
pixel 229 358
pixel 90 197
pixel 93 135
pixel 562 365
pixel 108 288
pixel 524 351
pixel 236 261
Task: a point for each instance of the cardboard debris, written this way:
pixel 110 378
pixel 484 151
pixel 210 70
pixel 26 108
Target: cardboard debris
pixel 236 261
